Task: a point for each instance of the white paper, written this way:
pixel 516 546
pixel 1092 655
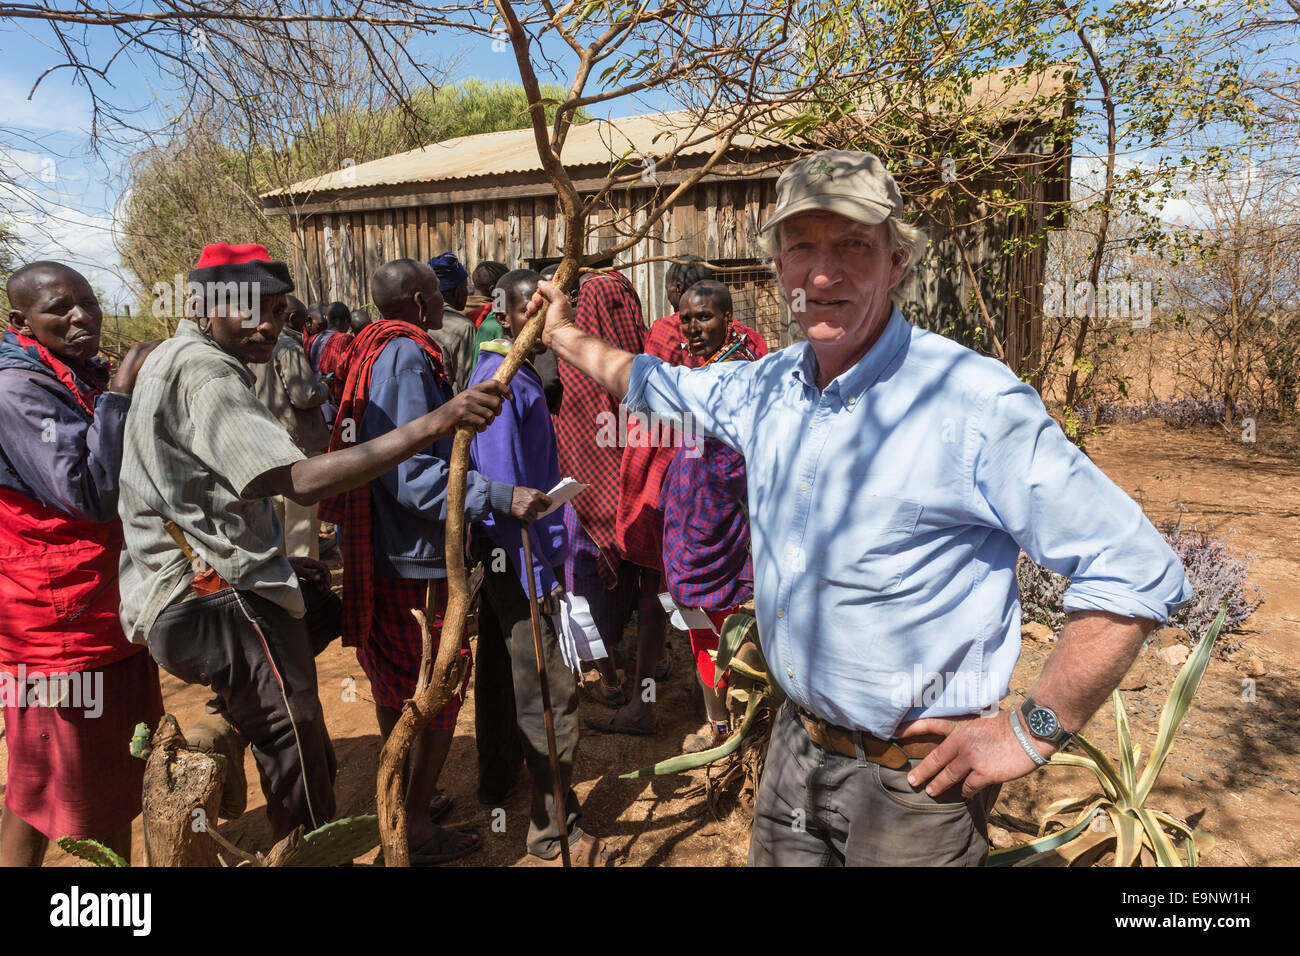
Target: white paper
pixel 576 628
pixel 565 491
pixel 685 618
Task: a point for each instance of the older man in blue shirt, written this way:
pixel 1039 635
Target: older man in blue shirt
pixel 894 476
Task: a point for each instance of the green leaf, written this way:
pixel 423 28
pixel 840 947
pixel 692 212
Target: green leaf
pixel 1176 705
pixel 1166 855
pixel 1127 770
pixel 91 851
pixel 684 762
pixel 1128 833
pixel 1021 855
pixel 736 629
pixel 337 842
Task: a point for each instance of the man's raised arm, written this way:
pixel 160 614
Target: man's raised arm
pixel 607 366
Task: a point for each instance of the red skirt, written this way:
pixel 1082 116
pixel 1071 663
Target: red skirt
pixel 390 656
pixel 702 642
pixel 71 772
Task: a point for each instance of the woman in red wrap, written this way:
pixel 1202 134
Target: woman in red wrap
pixel 72 686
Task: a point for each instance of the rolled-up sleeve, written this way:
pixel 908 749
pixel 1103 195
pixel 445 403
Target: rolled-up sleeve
pixel 714 400
pixel 1031 482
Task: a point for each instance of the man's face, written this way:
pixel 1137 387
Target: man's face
pixel 674 290
pixel 315 323
pixel 431 304
pixel 232 327
pixel 515 318
pixel 841 272
pixel 296 317
pixel 704 324
pixel 62 314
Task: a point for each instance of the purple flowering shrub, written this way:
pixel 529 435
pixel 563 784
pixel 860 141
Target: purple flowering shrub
pixel 1178 412
pixel 1216 570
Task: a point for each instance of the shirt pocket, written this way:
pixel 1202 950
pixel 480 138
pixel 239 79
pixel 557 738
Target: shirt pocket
pixel 863 547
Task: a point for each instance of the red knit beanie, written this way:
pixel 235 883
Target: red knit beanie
pixel 246 262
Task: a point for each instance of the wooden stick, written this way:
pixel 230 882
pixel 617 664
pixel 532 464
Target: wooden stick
pixel 447 667
pixel 561 812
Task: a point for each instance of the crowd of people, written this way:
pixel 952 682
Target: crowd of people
pixel 173 514
pixel 255 443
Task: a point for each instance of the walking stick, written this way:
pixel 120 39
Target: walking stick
pixel 561 811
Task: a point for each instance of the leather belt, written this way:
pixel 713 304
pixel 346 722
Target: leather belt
pixel 893 754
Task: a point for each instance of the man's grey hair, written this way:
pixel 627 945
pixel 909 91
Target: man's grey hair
pixel 912 240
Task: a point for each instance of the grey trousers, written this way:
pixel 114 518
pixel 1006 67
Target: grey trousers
pixel 817 807
pixel 508 719
pixel 261 663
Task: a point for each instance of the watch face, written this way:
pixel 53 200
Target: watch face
pixel 1042 722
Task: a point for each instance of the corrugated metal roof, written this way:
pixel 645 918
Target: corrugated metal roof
pixel 597 143
pixel 601 142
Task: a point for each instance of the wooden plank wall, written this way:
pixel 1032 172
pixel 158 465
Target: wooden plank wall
pixel 337 253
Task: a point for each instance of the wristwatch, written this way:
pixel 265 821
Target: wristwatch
pixel 1043 724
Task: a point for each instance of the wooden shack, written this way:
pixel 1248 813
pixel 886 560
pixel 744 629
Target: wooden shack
pixel 487 197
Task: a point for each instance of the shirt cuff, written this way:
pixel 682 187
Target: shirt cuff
pixel 642 366
pixel 1092 596
pixel 501 497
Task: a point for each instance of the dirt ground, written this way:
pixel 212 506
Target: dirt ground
pixel 1233 771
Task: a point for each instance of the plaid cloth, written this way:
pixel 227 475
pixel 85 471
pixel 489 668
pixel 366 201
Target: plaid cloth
pixel 640 521
pixel 85 389
pixel 706 530
pixel 608 308
pixel 352 508
pixel 334 352
pixel 391 657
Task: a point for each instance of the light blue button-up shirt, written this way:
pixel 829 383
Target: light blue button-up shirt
pixel 887 512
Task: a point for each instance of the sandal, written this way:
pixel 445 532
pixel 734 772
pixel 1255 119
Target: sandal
pixel 664 669
pixel 440 806
pixel 617 723
pixel 587 850
pixel 607 695
pixel 709 736
pixel 443 847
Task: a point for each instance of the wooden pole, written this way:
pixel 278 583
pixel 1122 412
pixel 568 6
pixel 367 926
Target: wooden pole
pixel 447 665
pixel 561 812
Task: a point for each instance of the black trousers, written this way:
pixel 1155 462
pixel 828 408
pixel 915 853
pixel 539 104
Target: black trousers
pixel 260 661
pixel 508 719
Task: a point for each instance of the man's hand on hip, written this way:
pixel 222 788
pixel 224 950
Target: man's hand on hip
pixel 976 754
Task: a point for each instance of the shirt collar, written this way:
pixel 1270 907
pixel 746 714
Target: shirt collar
pixel 189 329
pixel 851 383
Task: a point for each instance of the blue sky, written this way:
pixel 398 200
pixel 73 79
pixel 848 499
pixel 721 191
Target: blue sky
pixel 64 194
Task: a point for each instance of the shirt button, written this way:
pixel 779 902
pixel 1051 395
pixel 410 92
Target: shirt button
pixel 803 486
pixel 780 612
pixel 852 399
pixel 789 672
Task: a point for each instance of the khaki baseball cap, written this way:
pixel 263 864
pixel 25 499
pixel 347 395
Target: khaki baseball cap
pixel 854 184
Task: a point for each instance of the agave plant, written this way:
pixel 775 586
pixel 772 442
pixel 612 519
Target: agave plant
pixel 1117 818
pixel 750 692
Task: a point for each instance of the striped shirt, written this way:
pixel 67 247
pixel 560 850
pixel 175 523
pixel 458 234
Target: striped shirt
pixel 197 440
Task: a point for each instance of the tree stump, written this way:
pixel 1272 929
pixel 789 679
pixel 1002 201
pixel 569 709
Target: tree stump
pixel 182 794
